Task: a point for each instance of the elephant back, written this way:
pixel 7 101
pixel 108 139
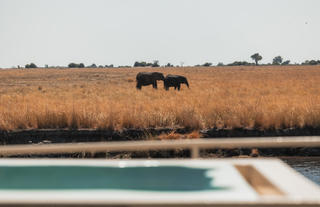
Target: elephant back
pixel 149 76
pixel 176 77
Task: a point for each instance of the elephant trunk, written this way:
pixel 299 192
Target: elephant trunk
pixel 187 84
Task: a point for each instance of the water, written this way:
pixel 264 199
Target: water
pixel 307 166
pixel 161 178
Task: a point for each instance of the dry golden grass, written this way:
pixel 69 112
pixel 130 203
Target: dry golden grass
pixel 174 135
pixel 171 135
pixel 223 97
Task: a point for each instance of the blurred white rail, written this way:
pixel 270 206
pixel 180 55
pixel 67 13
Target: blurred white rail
pixel 193 144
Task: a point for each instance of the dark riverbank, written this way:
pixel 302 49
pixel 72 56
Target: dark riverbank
pixel 35 136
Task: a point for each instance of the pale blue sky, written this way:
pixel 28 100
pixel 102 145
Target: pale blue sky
pixel 57 32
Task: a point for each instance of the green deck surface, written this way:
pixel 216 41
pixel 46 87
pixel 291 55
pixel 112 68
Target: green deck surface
pixel 164 178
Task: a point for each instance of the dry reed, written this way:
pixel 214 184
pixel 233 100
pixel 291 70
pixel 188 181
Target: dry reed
pixel 265 97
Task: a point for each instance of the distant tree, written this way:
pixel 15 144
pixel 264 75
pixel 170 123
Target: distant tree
pixel 31 65
pixel 109 66
pixel 155 63
pixel 46 66
pixel 220 64
pixel 93 65
pixel 287 62
pixel 256 57
pixel 311 62
pixel 140 64
pixel 306 62
pixel 75 65
pixel 136 64
pixel 169 65
pixel 207 64
pixel 145 64
pixel 237 63
pixel 72 65
pixel 277 60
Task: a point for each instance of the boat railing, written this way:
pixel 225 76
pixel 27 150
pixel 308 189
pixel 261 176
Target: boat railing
pixel 194 145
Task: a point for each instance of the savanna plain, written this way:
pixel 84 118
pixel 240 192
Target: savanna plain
pixel 251 97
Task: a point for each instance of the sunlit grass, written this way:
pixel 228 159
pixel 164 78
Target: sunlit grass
pixel 270 97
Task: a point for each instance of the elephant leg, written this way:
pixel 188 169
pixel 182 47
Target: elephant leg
pixel 179 87
pixel 155 86
pixel 138 86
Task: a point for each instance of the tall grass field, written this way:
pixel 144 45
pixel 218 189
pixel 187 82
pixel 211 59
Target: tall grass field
pixel 259 97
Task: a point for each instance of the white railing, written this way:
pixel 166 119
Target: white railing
pixel 193 144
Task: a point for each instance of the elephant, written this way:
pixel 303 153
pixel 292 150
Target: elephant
pixel 174 81
pixel 148 78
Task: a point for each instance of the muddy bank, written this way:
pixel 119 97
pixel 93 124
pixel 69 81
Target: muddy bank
pixel 95 135
pixel 240 132
pixel 34 136
pixel 43 136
